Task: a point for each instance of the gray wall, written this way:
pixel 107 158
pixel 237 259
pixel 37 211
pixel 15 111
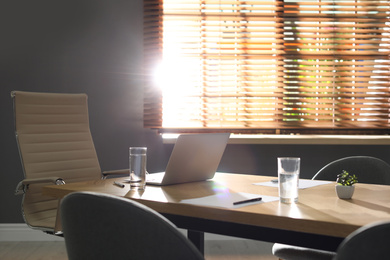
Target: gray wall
pixel 95 47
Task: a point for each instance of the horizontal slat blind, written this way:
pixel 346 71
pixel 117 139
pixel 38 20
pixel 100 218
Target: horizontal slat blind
pixel 270 64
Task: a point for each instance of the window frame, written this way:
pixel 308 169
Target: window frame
pixel 153 110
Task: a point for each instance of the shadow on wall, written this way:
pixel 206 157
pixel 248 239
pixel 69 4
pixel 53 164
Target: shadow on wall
pixel 262 159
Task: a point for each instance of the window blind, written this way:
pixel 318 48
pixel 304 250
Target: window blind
pixel 271 66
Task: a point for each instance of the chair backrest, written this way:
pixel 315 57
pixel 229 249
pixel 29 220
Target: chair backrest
pixel 54 140
pixel 368 169
pixel 102 226
pixel 368 242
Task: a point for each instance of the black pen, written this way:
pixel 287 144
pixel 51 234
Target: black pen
pixel 119 184
pixel 246 201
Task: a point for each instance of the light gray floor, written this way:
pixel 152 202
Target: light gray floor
pixel 214 250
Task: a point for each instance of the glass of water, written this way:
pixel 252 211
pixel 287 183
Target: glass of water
pixel 288 175
pixel 137 159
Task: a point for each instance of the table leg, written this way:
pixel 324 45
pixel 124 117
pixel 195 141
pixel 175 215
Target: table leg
pixel 197 238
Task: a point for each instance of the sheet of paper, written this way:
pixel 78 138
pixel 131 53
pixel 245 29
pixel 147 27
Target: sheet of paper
pixel 303 184
pixel 227 199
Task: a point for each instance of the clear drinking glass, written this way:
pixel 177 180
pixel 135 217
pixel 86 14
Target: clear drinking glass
pixel 137 159
pixel 288 175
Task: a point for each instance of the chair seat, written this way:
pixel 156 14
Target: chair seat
pixel 300 253
pixel 43 220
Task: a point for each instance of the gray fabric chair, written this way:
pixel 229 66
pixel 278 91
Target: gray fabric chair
pixel 368 242
pixel 288 252
pixel 368 170
pixel 100 226
pixel 56 147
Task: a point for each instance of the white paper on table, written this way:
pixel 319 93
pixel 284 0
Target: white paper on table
pixel 226 200
pixel 303 184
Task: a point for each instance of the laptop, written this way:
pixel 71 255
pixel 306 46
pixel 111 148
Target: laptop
pixel 195 157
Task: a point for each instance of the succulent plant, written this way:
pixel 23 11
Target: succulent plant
pixel 346 179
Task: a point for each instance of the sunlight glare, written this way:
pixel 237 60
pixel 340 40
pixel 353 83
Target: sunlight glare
pixel 178 78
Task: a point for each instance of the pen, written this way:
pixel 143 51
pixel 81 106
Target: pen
pixel 119 184
pixel 246 201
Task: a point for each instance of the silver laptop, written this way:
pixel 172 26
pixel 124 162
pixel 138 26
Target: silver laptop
pixel 195 157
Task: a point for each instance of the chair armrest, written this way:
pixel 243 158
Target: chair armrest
pixel 116 172
pixel 23 185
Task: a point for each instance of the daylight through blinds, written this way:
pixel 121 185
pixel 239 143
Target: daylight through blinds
pixel 270 64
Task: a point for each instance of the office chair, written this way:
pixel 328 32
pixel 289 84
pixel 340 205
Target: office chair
pixel 102 226
pixel 368 242
pixel 55 147
pixel 368 170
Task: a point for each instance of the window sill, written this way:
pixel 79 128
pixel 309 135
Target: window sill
pixel 300 139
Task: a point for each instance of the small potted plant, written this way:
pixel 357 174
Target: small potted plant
pixel 345 184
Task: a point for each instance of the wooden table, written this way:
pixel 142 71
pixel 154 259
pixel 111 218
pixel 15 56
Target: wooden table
pixel 319 220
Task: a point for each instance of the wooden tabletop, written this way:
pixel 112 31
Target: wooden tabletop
pixel 318 211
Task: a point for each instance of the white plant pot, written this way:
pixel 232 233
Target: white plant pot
pixel 345 192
